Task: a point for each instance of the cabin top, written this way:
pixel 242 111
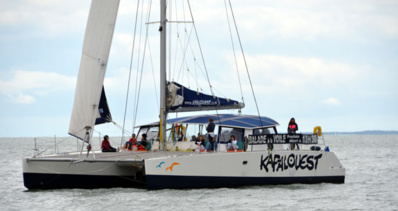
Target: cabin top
pixel 225 120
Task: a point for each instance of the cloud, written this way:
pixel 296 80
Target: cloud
pixel 285 73
pixel 332 102
pixel 25 86
pixel 47 18
pixel 314 19
pixel 22 98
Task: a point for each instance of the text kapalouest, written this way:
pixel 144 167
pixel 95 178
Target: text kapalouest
pixel 281 163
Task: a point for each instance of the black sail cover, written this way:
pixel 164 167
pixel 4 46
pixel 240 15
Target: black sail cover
pixel 182 99
pixel 104 114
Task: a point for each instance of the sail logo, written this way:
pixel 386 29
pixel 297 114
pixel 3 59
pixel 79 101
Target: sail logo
pixel 200 102
pixel 168 168
pixel 160 165
pixel 281 163
pixel 171 167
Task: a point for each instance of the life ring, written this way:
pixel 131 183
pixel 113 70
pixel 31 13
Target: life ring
pixel 181 130
pixel 318 130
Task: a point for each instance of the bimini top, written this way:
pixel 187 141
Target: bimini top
pixel 226 120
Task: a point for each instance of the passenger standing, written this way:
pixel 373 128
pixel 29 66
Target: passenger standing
pixel 291 129
pixel 211 145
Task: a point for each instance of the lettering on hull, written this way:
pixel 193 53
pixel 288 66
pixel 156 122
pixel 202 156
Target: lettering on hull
pixel 277 162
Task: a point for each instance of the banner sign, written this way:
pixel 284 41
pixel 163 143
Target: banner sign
pixel 283 139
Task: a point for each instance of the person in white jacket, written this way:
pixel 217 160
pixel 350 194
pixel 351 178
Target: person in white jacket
pixel 232 144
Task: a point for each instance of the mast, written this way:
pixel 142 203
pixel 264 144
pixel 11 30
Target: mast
pixel 163 111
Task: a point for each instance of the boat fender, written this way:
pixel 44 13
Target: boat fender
pixel 318 130
pixel 315 148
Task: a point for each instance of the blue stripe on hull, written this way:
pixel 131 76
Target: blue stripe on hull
pixel 177 182
pixel 56 181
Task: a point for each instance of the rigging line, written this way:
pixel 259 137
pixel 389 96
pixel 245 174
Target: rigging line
pixel 244 59
pixel 184 48
pixel 169 29
pixel 233 50
pixel 196 73
pixel 58 143
pixel 129 79
pixel 139 76
pixel 171 76
pixel 142 64
pixel 175 57
pixel 120 127
pixel 154 78
pixel 138 85
pixel 200 48
pixel 196 62
pixel 201 53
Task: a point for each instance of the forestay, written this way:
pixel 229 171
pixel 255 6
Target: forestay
pixel 96 47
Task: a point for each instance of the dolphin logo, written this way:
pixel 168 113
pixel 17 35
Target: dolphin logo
pixel 171 167
pixel 160 165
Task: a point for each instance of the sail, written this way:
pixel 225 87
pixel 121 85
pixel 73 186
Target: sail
pixel 182 99
pixel 96 47
pixel 103 114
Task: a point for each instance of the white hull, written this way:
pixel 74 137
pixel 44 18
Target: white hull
pixel 190 170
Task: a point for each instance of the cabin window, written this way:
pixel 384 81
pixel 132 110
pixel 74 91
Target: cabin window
pixel 261 131
pixel 151 132
pixel 226 132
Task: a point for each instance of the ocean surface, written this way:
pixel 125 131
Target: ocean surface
pixel 371 183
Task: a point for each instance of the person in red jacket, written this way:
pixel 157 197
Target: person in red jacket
pixel 291 129
pixel 106 146
pixel 131 142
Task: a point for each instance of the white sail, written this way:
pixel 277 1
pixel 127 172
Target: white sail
pixel 96 47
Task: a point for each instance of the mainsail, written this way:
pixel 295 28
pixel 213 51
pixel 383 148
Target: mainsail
pixel 96 47
pixel 182 99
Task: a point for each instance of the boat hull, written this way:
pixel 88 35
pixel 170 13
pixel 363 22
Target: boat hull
pixel 160 170
pixel 185 182
pixel 53 173
pixel 69 181
pixel 243 169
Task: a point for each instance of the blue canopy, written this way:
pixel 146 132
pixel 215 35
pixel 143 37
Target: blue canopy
pixel 182 99
pixel 226 120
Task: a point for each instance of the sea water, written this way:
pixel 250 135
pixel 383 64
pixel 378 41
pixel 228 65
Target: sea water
pixel 371 183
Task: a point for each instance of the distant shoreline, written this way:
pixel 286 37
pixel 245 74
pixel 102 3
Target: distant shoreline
pixel 365 132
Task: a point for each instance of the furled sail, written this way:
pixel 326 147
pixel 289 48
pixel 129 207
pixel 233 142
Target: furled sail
pixel 182 99
pixel 96 47
pixel 103 114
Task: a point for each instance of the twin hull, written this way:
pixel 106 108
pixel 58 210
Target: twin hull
pixel 195 170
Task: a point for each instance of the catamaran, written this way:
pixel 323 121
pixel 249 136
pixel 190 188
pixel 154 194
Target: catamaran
pixel 263 155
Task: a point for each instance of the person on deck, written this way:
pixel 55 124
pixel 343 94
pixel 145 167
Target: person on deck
pixel 106 146
pixel 131 142
pixel 211 145
pixel 200 143
pixel 232 144
pixel 291 129
pixel 144 144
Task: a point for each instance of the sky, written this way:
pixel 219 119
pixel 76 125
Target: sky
pixel 331 63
